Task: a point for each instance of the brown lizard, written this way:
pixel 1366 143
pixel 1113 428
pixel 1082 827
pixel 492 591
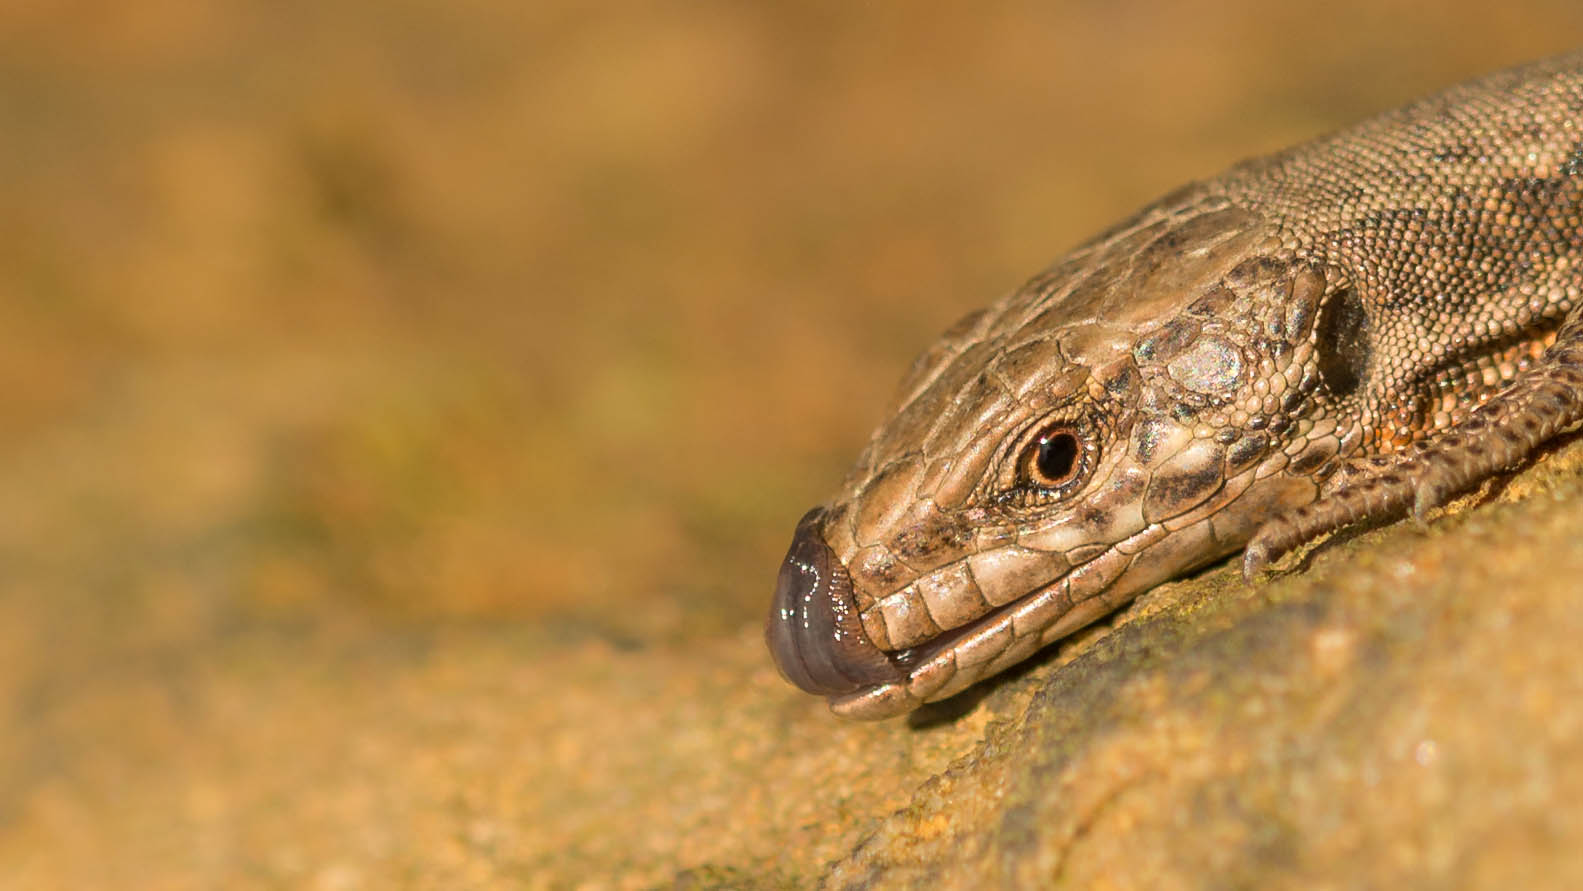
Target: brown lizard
pixel 1347 331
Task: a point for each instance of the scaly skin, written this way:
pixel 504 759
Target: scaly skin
pixel 1364 325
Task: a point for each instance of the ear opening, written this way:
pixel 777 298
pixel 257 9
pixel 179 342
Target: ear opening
pixel 1343 347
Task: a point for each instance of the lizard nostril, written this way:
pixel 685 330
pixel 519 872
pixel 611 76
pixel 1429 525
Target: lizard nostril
pixel 813 631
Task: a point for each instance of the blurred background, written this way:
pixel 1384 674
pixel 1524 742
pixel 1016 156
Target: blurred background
pixel 344 342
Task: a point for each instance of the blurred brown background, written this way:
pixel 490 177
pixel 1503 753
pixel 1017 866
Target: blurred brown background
pixel 373 372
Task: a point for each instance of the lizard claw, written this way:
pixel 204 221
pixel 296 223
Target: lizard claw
pixel 1269 543
pixel 1255 560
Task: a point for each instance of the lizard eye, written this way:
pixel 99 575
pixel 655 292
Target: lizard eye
pixel 1053 459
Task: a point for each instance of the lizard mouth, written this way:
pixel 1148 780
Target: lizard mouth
pixel 817 639
pixel 917 657
pixel 959 657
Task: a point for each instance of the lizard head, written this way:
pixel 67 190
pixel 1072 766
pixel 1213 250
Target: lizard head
pixel 1122 418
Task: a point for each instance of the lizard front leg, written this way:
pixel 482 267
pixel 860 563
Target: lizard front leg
pixel 1497 435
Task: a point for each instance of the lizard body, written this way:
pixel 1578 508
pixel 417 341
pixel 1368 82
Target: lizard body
pixel 1356 328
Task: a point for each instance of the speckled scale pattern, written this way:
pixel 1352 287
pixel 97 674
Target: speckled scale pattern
pixel 1454 219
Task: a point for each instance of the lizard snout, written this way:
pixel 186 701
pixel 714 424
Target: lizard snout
pixel 813 630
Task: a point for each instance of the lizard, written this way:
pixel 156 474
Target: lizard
pixel 1347 332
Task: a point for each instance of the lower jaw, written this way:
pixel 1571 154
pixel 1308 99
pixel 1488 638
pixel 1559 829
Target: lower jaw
pixel 1030 624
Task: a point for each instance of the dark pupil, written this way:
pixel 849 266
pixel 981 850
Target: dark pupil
pixel 1057 454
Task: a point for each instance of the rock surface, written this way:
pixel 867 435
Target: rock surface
pixel 1408 710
